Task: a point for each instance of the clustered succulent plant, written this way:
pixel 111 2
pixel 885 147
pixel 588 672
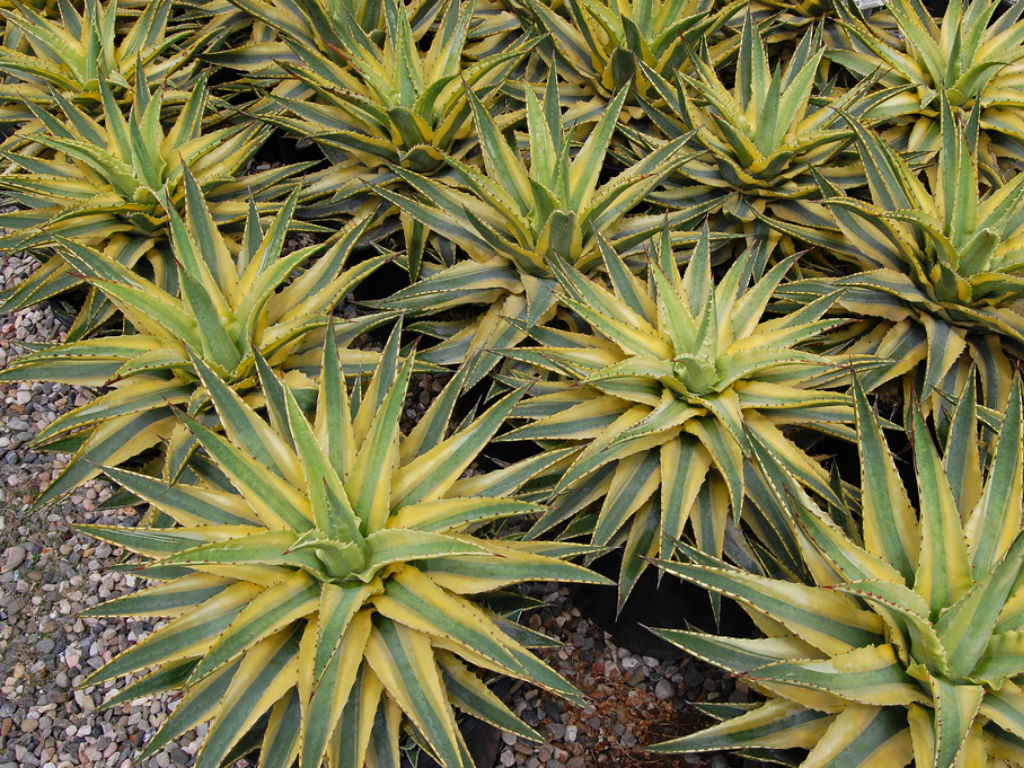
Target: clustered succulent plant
pixel 684 253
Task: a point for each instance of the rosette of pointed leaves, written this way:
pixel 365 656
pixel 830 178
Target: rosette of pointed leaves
pixel 907 645
pixel 939 266
pixel 71 52
pixel 311 24
pixel 398 101
pixel 761 138
pixel 231 306
pixel 331 583
pixel 666 394
pixel 972 56
pixel 104 184
pixel 599 43
pixel 513 218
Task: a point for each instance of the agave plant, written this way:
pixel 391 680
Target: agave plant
pixel 601 42
pixel 514 219
pixel 72 51
pixel 311 24
pixel 106 184
pixel 938 266
pixel 398 101
pixel 906 646
pixel 972 57
pixel 764 139
pixel 232 306
pixel 331 584
pixel 667 393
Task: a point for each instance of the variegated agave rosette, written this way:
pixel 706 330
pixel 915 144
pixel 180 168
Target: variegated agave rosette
pixel 238 303
pixel 400 97
pixel 763 139
pixel 71 51
pixel 667 391
pixel 938 264
pixel 329 577
pixel 600 44
pixel 514 218
pixel 105 184
pixel 973 56
pixel 907 645
pixel 246 35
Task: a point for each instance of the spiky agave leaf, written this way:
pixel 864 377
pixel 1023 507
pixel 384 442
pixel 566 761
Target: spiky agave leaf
pixel 937 265
pixel 234 303
pixel 906 647
pixel 332 585
pixel 104 184
pixel 667 393
pixel 515 218
pixel 973 56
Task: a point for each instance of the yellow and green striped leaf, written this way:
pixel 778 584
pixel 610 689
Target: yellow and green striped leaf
pixel 738 655
pixel 870 675
pixel 776 724
pixel 469 694
pixel 332 513
pixel 430 475
pixel 862 736
pixel 332 690
pixel 172 598
pixel 196 707
pixel 188 504
pixel 109 443
pixel 404 661
pixel 454 513
pixel 278 504
pixel 961 460
pixel 185 637
pixel 995 520
pixel 943 572
pixel 280 745
pixel 413 600
pixel 277 607
pixel 369 484
pixel 890 526
pixel 827 620
pixel 264 676
pixel 956 706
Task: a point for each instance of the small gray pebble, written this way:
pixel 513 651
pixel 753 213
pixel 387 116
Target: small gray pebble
pixel 14 557
pixel 664 690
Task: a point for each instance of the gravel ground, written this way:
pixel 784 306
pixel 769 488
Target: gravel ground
pixel 49 573
pixel 634 699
